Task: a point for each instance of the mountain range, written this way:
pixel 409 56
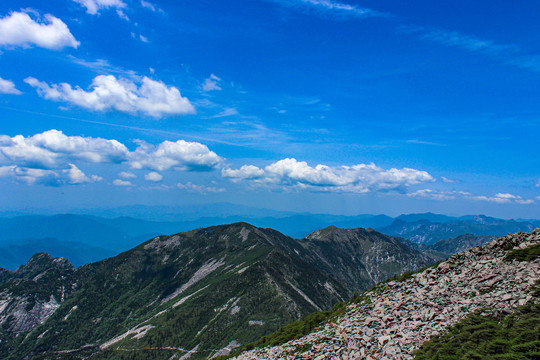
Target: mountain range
pixel 203 290
pixel 87 238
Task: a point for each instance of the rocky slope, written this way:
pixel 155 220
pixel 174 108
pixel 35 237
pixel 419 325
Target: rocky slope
pixel 206 291
pixel 32 294
pixel 393 319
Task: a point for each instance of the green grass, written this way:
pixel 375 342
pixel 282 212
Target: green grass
pixel 528 254
pixel 479 336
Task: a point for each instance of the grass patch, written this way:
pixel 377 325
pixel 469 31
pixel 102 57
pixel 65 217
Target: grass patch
pixel 528 254
pixel 478 336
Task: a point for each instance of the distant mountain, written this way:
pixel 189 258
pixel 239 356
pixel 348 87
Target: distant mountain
pixel 105 237
pixel 460 243
pixel 16 253
pixel 202 291
pixel 423 231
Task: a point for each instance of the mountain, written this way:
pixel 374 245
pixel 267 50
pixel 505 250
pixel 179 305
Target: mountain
pixel 488 292
pixel 459 244
pixel 31 294
pixel 205 291
pixel 423 231
pixel 13 254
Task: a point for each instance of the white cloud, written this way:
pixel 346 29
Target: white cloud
pixel 181 155
pixel 143 38
pixel 94 6
pixel 361 178
pixel 126 175
pixel 19 29
pixel 108 93
pixel 8 87
pixel 50 157
pixel 153 176
pixel 53 149
pixel 119 182
pixel 76 176
pixel 211 83
pixel 199 188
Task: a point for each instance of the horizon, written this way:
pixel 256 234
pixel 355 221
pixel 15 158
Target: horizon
pixel 303 106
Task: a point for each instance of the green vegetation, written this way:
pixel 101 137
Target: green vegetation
pixel 528 254
pixel 479 336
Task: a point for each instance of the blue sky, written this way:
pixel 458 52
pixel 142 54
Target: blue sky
pixel 302 105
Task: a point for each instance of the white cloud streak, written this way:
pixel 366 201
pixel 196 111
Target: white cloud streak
pixel 201 189
pixel 108 93
pixel 499 198
pixel 329 8
pixel 19 29
pixel 362 178
pixel 8 87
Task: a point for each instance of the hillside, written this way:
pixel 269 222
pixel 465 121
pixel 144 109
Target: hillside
pixel 394 319
pixel 205 291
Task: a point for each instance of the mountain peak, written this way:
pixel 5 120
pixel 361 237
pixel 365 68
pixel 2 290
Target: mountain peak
pixel 41 262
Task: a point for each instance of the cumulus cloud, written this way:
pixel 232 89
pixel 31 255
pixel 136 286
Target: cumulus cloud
pixel 8 87
pixel 53 149
pixel 119 182
pixel 19 29
pixel 211 83
pixel 182 155
pixel 153 176
pixel 50 157
pixel 94 6
pixel 361 178
pixel 108 93
pixel 199 188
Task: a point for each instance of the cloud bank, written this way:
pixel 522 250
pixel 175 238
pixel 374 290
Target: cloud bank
pixel 362 178
pixel 49 158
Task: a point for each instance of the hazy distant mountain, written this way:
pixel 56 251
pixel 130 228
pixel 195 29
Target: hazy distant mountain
pixel 424 231
pixel 202 289
pixel 460 243
pixel 118 234
pixel 16 253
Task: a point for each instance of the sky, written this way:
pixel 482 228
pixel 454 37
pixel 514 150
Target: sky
pixel 322 106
